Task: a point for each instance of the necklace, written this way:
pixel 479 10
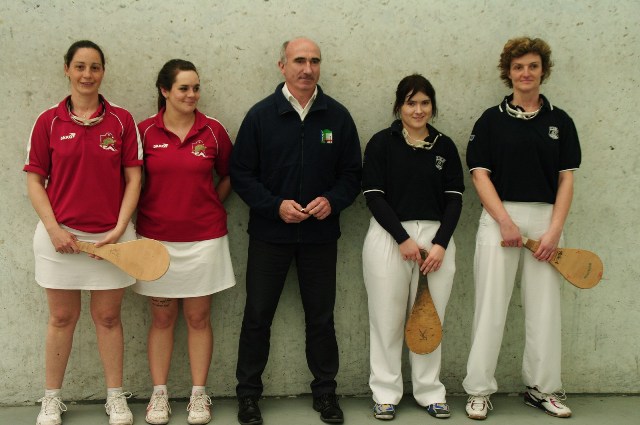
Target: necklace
pixel 84 121
pixel 417 143
pixel 518 112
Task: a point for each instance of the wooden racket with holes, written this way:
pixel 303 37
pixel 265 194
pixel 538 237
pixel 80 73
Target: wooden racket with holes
pixel 579 267
pixel 144 259
pixel 423 331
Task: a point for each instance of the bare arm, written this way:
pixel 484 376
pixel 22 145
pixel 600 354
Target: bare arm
pixel 133 184
pixel 550 239
pixel 491 202
pixel 223 188
pixel 63 241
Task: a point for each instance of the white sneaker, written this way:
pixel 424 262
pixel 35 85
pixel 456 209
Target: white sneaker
pixel 117 409
pixel 51 411
pixel 478 406
pixel 158 409
pixel 199 410
pixel 551 404
pixel 385 412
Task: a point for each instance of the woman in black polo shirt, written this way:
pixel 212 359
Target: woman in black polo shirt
pixel 521 155
pixel 413 183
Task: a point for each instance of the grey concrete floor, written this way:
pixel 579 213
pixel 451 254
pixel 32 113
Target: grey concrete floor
pixel 508 410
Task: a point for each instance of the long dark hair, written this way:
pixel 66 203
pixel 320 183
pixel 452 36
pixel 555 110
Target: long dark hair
pixel 81 44
pixel 167 76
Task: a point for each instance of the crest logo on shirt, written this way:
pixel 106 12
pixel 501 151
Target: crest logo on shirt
pixel 439 162
pixel 554 133
pixel 473 136
pixel 108 142
pixel 198 148
pixel 326 136
pixel 68 136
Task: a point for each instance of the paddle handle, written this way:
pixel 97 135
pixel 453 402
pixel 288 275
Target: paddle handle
pixel 531 244
pixel 88 247
pixel 108 251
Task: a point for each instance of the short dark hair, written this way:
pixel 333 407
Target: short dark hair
pixel 82 44
pixel 411 85
pixel 167 76
pixel 518 47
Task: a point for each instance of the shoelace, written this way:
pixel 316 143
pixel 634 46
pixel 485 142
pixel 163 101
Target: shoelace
pixel 51 403
pixel 118 402
pixel 485 400
pixel 199 403
pixel 248 401
pixel 559 395
pixel 328 400
pixel 159 402
pixel 441 406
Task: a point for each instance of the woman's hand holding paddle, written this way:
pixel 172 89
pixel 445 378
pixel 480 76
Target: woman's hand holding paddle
pixel 63 241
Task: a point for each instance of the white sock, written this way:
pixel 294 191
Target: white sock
pixel 53 393
pixel 196 390
pixel 160 390
pixel 114 391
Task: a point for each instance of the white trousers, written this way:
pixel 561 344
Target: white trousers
pixel 495 270
pixel 391 285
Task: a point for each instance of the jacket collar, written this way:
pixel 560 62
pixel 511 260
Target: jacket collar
pixel 284 106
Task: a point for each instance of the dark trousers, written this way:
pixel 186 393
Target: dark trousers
pixel 267 268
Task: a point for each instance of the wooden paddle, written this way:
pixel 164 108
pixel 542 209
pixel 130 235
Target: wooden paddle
pixel 579 267
pixel 144 259
pixel 423 331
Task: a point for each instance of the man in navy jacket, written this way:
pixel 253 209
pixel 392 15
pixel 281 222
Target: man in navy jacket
pixel 297 164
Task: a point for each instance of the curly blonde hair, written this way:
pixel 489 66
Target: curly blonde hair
pixel 518 47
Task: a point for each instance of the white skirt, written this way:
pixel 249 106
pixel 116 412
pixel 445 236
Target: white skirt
pixel 77 271
pixel 196 269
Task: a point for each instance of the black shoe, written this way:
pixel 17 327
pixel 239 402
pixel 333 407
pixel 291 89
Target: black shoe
pixel 327 405
pixel 248 411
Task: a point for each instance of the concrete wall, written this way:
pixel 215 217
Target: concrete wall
pixel 367 47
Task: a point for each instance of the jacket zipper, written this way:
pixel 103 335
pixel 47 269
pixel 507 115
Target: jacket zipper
pixel 301 171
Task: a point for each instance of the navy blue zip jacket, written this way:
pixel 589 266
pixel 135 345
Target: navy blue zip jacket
pixel 277 156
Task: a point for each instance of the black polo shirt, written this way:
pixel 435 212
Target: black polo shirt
pixel 414 182
pixel 524 157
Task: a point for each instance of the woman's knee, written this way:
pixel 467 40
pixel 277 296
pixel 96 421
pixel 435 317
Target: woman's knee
pixel 106 318
pixel 198 320
pixel 62 318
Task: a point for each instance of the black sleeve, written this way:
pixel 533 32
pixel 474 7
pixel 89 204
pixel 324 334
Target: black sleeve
pixel 244 170
pixel 386 217
pixel 478 148
pixel 450 217
pixel 570 154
